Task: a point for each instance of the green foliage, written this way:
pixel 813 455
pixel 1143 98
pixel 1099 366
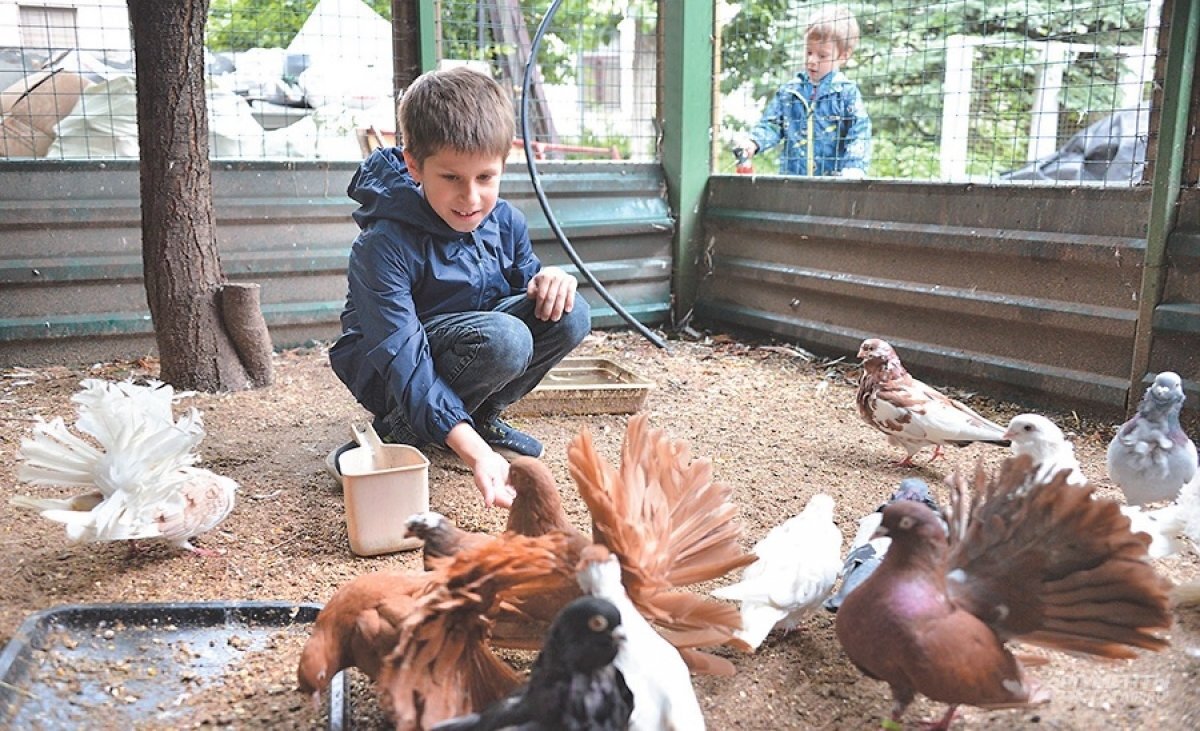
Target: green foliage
pixel 238 25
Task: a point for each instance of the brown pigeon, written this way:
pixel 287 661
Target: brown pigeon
pixel 440 537
pixel 1042 562
pixel 912 414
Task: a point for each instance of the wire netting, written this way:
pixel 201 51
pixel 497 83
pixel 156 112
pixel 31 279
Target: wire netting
pixel 313 79
pixel 594 94
pixel 1052 91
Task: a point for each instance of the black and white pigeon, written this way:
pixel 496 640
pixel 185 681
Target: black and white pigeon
pixel 1151 458
pixel 573 686
pixel 866 553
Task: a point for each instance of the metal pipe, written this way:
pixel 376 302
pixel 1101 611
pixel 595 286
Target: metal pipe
pixel 535 178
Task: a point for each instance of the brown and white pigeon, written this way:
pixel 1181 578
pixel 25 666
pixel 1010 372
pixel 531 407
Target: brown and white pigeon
pixel 912 414
pixel 137 472
pixel 1039 562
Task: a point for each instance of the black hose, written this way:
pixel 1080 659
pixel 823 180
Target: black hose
pixel 536 179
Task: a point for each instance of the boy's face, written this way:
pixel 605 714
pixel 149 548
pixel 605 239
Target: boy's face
pixel 461 187
pixel 821 57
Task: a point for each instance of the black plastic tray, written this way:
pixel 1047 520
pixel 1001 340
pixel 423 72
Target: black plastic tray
pixel 130 665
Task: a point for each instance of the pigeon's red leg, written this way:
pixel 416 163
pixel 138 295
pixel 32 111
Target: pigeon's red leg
pixel 943 723
pixel 937 453
pixel 136 549
pixel 906 462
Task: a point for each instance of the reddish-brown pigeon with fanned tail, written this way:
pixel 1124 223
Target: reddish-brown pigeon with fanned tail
pixel 912 414
pixel 1041 562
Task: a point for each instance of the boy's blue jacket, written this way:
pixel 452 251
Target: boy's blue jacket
pixel 841 127
pixel 406 266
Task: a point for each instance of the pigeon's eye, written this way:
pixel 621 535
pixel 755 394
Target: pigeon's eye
pixel 597 623
pixel 906 522
pixel 1029 427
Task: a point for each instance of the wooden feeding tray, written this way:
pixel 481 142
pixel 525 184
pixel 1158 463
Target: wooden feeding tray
pixel 585 385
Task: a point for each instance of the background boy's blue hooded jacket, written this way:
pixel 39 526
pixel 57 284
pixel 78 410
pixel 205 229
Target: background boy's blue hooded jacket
pixel 841 127
pixel 406 266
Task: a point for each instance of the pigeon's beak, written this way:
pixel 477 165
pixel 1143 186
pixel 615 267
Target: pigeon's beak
pixel 880 532
pixel 1008 435
pixel 618 635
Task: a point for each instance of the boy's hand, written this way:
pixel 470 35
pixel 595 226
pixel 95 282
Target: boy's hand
pixel 489 469
pixel 743 147
pixel 553 291
pixel 491 477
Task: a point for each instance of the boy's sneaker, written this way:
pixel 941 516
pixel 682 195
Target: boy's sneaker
pixel 503 437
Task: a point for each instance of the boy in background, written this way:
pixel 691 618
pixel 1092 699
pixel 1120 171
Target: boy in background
pixel 449 315
pixel 819 115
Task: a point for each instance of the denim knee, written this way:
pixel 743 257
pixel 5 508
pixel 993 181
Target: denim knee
pixel 577 323
pixel 506 349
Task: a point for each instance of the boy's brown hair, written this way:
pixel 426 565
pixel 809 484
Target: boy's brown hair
pixel 459 109
pixel 837 24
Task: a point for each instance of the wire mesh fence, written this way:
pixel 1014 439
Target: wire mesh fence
pixel 593 96
pixel 1053 91
pixel 313 79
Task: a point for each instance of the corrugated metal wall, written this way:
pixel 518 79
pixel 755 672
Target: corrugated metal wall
pixel 1031 291
pixel 71 262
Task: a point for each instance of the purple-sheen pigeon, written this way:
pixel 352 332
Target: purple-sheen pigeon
pixel 1040 562
pixel 912 414
pixel 1151 458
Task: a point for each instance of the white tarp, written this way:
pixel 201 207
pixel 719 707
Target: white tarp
pixel 349 47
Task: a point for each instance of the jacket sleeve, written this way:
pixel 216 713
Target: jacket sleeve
pixel 525 262
pixel 393 339
pixel 858 131
pixel 770 129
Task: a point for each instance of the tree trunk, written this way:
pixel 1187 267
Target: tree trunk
pixel 180 259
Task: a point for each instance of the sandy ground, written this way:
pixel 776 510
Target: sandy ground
pixel 778 426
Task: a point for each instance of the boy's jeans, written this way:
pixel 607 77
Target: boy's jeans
pixel 492 359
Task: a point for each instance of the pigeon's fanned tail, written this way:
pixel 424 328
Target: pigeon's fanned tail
pixel 669 523
pixel 1092 590
pixel 443 665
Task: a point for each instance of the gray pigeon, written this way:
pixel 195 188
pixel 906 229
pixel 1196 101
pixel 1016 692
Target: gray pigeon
pixel 867 552
pixel 1151 458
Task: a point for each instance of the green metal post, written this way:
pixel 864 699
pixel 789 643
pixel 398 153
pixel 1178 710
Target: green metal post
pixel 427 22
pixel 1168 173
pixel 687 63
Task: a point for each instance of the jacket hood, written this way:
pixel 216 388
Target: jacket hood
pixel 384 189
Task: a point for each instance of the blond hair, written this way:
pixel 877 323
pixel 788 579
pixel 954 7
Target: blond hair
pixel 834 23
pixel 459 109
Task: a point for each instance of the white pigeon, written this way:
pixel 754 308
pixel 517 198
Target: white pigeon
pixel 912 414
pixel 139 482
pixel 798 563
pixel 1039 438
pixel 1045 443
pixel 1151 458
pixel 663 696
